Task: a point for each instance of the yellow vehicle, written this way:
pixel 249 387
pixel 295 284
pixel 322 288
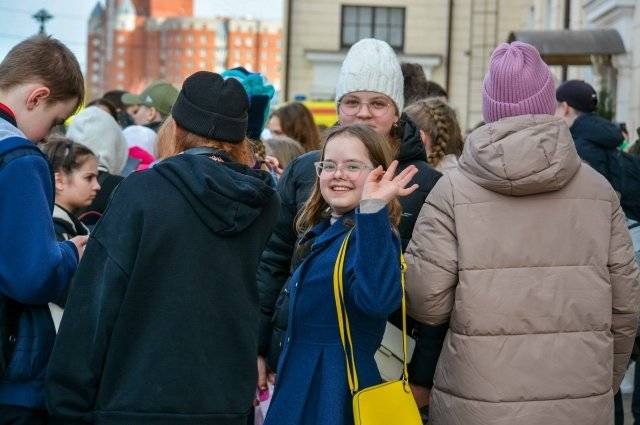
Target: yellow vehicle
pixel 323 111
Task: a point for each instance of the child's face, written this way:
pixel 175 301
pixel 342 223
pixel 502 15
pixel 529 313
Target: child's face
pixel 36 120
pixel 78 189
pixel 342 188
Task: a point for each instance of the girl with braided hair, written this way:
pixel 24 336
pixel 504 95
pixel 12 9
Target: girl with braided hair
pixel 439 131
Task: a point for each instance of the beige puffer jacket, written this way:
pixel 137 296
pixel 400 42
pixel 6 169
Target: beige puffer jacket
pixel 525 251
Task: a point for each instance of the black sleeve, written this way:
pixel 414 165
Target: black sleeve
pixel 426 178
pixel 275 262
pixel 429 342
pixel 75 367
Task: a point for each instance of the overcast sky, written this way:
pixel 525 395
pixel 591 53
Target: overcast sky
pixel 70 18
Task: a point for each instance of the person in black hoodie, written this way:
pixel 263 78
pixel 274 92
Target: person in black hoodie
pixel 596 138
pixel 370 92
pixel 161 326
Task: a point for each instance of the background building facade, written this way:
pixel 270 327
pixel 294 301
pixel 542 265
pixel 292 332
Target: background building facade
pixel 453 41
pixel 133 42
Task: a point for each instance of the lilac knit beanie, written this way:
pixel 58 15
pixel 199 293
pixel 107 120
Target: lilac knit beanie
pixel 518 83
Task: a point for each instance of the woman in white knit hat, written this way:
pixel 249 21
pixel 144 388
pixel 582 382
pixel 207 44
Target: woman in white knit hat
pixel 369 91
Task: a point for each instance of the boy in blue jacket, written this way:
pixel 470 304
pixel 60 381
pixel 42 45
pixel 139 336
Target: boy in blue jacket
pixel 40 86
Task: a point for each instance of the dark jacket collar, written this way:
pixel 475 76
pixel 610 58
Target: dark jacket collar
pixel 595 129
pixel 411 146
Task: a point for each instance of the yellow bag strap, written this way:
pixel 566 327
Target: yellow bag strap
pixel 343 319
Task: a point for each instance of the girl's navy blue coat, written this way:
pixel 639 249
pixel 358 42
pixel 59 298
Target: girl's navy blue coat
pixel 311 383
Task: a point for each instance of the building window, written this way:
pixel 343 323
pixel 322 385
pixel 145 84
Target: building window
pixel 96 42
pixel 203 65
pixel 236 55
pixel 190 39
pixel 203 53
pixel 121 39
pixel 189 52
pixel 121 50
pixel 95 78
pixel 248 42
pixel 120 76
pixel 237 42
pixel 203 39
pixel 383 23
pixel 265 44
pixel 178 38
pixel 120 63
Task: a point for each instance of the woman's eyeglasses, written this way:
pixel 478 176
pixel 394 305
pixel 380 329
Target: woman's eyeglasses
pixel 352 106
pixel 352 169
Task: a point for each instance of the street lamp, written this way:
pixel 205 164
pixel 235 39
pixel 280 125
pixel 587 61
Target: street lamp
pixel 42 16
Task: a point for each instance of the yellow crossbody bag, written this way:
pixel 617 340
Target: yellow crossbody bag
pixel 390 402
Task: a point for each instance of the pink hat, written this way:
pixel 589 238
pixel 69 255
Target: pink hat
pixel 518 83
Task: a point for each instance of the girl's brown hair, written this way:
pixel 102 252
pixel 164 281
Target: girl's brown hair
pixel 380 153
pixel 296 122
pixel 64 154
pixel 438 120
pixel 173 139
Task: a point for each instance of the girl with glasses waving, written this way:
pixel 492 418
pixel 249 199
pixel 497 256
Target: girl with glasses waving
pixel 369 91
pixel 352 191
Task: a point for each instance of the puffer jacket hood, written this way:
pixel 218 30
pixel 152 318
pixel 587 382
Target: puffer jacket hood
pixel 227 197
pixel 597 130
pixel 521 155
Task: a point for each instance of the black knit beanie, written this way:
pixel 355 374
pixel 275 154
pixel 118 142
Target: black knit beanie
pixel 212 107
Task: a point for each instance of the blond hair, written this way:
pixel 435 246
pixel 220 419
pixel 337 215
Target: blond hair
pixel 438 121
pixel 285 149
